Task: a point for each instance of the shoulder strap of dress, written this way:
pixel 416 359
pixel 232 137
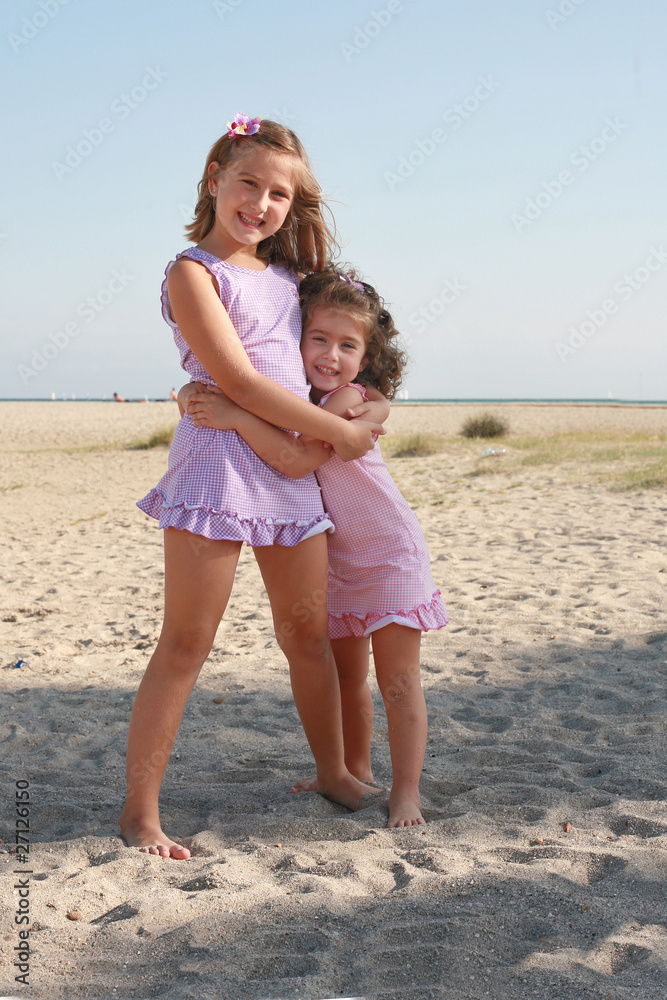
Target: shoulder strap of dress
pixel 199 257
pixel 207 260
pixel 348 385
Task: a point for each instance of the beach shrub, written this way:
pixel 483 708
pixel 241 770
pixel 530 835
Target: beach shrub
pixel 413 446
pixel 485 426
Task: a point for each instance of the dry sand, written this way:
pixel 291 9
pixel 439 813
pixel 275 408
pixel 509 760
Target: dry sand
pixel 546 704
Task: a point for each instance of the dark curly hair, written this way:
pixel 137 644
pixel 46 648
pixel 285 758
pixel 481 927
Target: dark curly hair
pixel 340 289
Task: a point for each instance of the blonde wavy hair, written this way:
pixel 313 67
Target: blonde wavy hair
pixel 340 289
pixel 306 241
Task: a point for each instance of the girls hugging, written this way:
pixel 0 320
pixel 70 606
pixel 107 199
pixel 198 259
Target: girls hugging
pixel 233 476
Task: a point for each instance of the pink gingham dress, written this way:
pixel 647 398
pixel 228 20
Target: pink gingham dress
pixel 379 567
pixel 215 485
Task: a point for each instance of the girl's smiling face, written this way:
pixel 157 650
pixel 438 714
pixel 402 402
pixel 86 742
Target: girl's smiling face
pixel 253 196
pixel 333 348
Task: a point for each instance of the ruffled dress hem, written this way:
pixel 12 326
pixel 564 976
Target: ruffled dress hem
pixel 226 524
pixel 427 617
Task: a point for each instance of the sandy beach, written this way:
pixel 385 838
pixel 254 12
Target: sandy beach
pixel 546 700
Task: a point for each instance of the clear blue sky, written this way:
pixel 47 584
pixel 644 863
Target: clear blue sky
pixel 438 129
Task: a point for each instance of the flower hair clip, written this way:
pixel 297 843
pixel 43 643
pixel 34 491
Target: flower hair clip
pixel 357 284
pixel 243 125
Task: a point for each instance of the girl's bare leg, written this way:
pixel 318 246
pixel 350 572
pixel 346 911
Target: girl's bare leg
pixel 296 581
pixel 352 656
pixel 199 574
pixel 396 654
pixel 352 661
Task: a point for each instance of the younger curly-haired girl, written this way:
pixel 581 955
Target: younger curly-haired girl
pixel 380 584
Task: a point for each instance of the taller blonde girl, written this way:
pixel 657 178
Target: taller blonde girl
pixel 232 303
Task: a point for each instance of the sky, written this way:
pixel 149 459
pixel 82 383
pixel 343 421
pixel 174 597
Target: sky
pixel 495 169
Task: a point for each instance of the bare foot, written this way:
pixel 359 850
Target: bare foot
pixel 150 839
pixel 404 811
pixel 311 784
pixel 347 791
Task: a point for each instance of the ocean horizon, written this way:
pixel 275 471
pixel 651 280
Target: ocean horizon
pixel 606 401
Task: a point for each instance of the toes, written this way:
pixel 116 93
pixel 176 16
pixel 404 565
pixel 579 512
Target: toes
pixel 305 785
pixel 396 824
pixel 166 851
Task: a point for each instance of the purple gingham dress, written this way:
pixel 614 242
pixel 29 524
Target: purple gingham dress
pixel 215 485
pixel 379 566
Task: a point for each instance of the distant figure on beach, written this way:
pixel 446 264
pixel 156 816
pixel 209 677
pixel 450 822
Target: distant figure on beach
pixel 119 399
pixel 380 585
pixel 232 302
pixel 173 395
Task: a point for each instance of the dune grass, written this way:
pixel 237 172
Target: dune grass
pixel 634 462
pixel 93 517
pixel 649 477
pixel 411 445
pixel 161 437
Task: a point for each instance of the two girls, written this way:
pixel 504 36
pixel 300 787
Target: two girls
pixel 232 303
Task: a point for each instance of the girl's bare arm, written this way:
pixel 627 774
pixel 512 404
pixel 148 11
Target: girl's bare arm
pixel 209 332
pixel 293 457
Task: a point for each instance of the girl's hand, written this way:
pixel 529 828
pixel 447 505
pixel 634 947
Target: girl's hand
pixel 376 409
pixel 361 410
pixel 356 439
pixel 184 394
pixel 211 408
pixel 372 411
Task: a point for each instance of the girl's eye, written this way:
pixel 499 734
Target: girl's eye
pixel 251 183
